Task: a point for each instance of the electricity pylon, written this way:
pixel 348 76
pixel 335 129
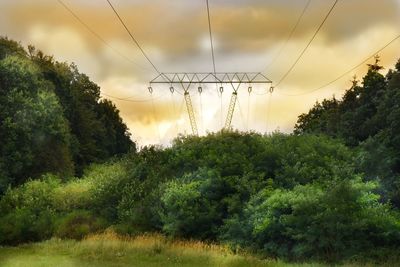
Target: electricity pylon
pixel 186 80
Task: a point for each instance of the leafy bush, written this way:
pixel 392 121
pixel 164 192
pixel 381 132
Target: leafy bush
pixel 296 197
pixel 187 212
pixel 28 212
pixel 140 188
pixel 78 224
pixel 197 204
pixel 330 222
pixel 75 194
pixel 105 182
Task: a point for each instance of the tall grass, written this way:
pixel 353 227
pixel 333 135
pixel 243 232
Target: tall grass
pixel 147 250
pixel 110 249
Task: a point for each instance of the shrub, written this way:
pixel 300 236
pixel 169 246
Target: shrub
pixel 330 223
pixel 27 211
pixel 77 224
pixel 197 204
pixel 107 182
pixel 187 213
pixel 75 194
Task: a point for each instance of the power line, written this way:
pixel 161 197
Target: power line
pixel 308 44
pixel 174 113
pixel 97 35
pixel 248 111
pixel 201 111
pixel 350 70
pixel 267 122
pixel 155 117
pixel 133 38
pixel 180 113
pixel 241 114
pixel 213 55
pixel 290 35
pixel 211 38
pixel 128 99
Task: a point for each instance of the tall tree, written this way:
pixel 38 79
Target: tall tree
pixel 33 132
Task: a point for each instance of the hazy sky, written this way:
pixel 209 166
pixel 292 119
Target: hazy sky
pixel 174 33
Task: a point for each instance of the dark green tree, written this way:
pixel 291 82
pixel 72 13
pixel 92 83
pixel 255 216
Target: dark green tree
pixel 34 134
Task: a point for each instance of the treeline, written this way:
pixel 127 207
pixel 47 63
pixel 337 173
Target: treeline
pixel 286 196
pixel 329 192
pixel 52 119
pixel 367 118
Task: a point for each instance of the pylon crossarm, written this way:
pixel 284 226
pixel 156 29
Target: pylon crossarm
pixel 211 78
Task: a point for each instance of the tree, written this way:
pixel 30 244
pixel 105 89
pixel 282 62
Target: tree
pixel 52 118
pixel 352 118
pixel 331 221
pixel 34 134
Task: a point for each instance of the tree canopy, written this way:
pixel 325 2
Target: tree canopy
pixel 368 117
pixel 52 118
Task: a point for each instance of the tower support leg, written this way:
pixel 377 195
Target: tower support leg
pixel 190 111
pixel 230 111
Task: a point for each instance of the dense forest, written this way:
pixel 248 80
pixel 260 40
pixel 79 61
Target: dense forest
pixel 52 118
pixel 328 192
pixel 368 118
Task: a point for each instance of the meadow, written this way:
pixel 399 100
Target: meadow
pixel 152 250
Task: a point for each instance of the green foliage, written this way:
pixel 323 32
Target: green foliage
pixel 201 203
pixel 292 196
pixel 9 47
pixel 188 212
pixel 296 197
pixel 42 208
pixel 35 136
pixel 140 189
pixel 96 127
pixel 52 118
pixel 78 224
pixel 331 222
pixel 27 212
pixel 75 194
pixel 106 183
pixel 368 116
pixel 353 118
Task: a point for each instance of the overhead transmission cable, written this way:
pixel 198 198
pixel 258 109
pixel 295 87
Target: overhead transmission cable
pixel 129 99
pixel 267 122
pixel 201 110
pixel 308 44
pixel 241 114
pixel 349 71
pixel 66 7
pixel 219 93
pixel 97 35
pixel 155 117
pixel 133 38
pixel 248 110
pixel 277 55
pixel 211 38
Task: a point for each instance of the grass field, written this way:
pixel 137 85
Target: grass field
pixel 144 251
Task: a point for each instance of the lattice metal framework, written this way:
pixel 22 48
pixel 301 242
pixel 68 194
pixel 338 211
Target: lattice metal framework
pixel 231 109
pixel 190 111
pixel 210 77
pixel 187 79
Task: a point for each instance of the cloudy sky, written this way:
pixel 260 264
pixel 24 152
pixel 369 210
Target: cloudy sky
pixel 248 35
